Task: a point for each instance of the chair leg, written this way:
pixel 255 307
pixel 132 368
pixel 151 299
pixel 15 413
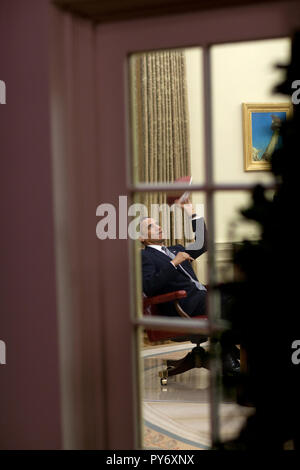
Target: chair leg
pixel 196 358
pixel 174 362
pixel 186 364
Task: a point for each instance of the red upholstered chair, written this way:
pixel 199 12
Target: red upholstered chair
pixel 198 357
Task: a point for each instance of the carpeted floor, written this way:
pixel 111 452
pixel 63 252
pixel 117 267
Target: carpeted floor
pixel 177 417
pixel 158 439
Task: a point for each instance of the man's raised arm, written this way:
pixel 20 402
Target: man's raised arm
pixel 199 246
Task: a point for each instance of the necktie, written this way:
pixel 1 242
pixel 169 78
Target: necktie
pixel 172 256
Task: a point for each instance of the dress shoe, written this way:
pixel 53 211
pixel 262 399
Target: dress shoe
pixel 235 352
pixel 231 366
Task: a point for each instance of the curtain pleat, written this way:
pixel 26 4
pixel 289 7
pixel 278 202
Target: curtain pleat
pixel 161 127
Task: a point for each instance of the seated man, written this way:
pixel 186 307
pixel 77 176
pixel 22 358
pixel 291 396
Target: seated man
pixel 167 269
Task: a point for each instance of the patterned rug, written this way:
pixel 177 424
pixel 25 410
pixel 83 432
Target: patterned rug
pixel 177 417
pixel 156 438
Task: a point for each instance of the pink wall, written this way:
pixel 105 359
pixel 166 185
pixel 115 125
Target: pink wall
pixel 79 269
pixel 29 382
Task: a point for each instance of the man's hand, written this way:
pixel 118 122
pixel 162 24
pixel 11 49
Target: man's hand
pixel 180 257
pixel 187 206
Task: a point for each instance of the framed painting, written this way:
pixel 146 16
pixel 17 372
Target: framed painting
pixel 261 125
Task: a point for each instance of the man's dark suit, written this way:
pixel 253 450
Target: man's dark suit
pixel 160 276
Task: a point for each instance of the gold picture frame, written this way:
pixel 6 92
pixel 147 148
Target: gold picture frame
pixel 261 123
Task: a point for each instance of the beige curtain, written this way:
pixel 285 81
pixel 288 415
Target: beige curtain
pixel 160 123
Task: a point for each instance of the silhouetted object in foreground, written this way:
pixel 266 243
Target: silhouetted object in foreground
pixel 266 302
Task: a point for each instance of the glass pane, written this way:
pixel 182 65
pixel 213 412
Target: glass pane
pixel 163 231
pixel 176 413
pixel 167 116
pixel 231 228
pixel 244 76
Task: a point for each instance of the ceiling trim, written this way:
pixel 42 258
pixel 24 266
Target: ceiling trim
pixel 103 11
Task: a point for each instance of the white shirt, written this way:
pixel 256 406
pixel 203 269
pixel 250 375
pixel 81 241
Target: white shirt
pixel 159 247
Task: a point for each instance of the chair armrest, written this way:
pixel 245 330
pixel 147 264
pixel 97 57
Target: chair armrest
pixel 160 299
